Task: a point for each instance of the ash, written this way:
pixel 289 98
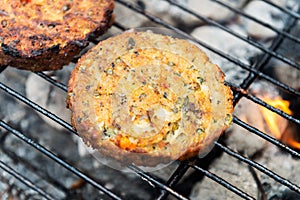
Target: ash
pixel 62 184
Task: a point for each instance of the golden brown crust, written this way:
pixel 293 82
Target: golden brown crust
pixel 44 35
pixel 146 98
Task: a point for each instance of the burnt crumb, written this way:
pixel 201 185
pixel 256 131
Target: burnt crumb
pixel 55 48
pixel 80 43
pixel 130 44
pixel 9 50
pixel 37 52
pixel 39 37
pixel 136 53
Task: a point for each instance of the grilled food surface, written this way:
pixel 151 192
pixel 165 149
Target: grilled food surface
pixel 46 34
pixel 146 98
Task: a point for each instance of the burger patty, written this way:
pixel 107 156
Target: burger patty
pixel 42 35
pixel 146 98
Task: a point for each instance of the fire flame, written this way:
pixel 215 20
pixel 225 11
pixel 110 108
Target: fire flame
pixel 274 121
pixel 291 142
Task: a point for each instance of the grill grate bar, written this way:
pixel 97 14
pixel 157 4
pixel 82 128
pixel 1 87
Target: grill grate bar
pixel 16 158
pixel 284 33
pixel 237 35
pixel 257 100
pixel 265 136
pixel 119 26
pixel 63 163
pixel 261 168
pixel 173 180
pixel 288 11
pixel 220 53
pixel 224 183
pixel 24 180
pixel 52 81
pixel 273 109
pixel 273 81
pixel 152 181
pixel 37 107
pixel 262 60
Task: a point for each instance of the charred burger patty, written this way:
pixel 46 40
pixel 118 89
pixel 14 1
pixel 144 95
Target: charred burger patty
pixel 44 35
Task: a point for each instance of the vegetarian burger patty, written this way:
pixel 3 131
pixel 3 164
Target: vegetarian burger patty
pixel 146 98
pixel 45 34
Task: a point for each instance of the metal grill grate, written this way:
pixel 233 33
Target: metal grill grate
pixel 164 189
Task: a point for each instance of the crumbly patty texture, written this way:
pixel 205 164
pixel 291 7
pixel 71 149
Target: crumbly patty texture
pixel 146 98
pixel 46 34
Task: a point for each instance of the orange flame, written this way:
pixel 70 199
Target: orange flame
pixel 272 119
pixel 292 143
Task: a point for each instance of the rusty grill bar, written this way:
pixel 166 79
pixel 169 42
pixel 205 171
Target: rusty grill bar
pixel 167 188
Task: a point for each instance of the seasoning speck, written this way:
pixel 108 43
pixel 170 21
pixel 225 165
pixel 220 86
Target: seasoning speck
pixel 170 63
pixel 109 71
pixel 200 80
pixel 200 130
pixel 130 44
pixel 66 8
pixel 142 96
pixel 165 95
